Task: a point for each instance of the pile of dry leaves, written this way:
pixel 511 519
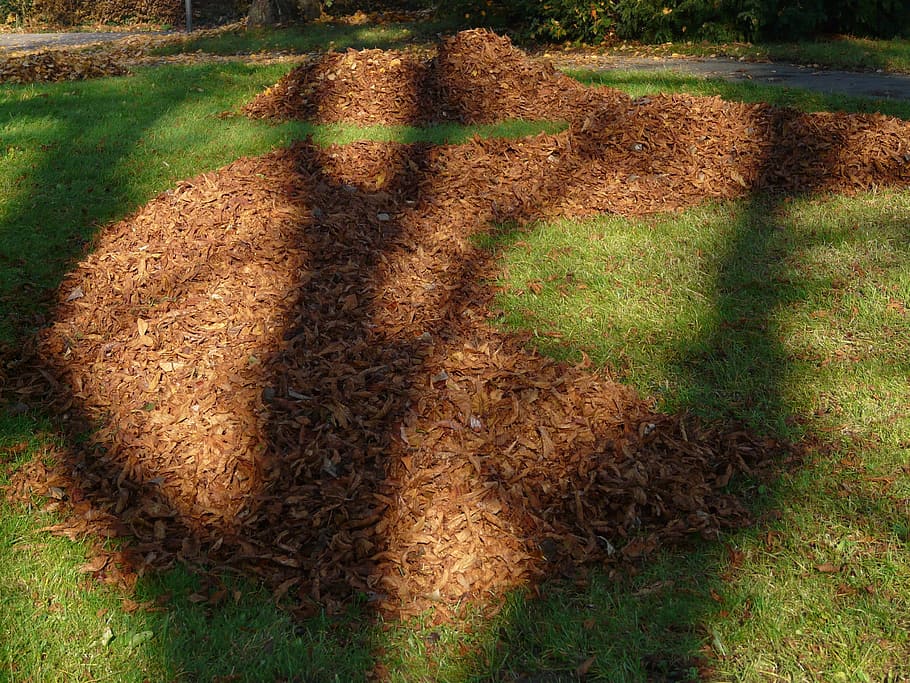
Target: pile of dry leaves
pixel 288 366
pixel 474 77
pixel 58 65
pixel 56 62
pixel 632 152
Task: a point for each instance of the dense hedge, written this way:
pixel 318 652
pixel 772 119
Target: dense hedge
pixel 587 20
pixel 660 20
pixel 74 12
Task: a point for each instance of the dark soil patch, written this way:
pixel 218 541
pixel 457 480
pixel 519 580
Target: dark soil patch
pixel 287 365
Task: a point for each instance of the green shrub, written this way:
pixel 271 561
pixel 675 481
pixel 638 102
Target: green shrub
pixel 789 20
pixel 555 20
pixel 569 19
pixel 14 11
pixel 784 19
pixel 73 12
pixel 662 20
pixel 878 18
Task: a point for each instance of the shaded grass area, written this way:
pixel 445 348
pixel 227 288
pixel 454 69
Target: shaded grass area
pixel 787 314
pixel 316 37
pixel 58 625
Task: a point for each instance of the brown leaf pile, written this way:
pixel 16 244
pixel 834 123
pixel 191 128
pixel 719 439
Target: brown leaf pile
pixel 56 61
pixel 58 65
pixel 475 77
pixel 287 364
pixel 288 367
pixel 637 154
pixel 670 151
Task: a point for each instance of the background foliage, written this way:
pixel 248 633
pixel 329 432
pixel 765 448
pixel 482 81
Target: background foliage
pixel 74 12
pixel 583 20
pixel 662 20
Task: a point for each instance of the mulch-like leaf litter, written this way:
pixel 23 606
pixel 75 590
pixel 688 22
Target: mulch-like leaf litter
pixel 474 77
pixel 58 65
pixel 288 366
pixel 58 62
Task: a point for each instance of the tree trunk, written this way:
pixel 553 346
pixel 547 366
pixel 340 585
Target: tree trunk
pixel 308 10
pixel 271 12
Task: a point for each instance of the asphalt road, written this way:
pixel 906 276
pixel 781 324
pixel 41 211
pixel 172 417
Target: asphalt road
pixel 10 42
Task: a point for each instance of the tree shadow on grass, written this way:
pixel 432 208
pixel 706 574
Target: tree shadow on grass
pixel 658 625
pixel 653 623
pixel 49 217
pixel 356 390
pixel 61 235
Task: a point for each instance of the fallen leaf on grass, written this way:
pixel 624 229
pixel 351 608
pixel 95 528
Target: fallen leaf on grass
pixel 129 606
pixel 96 564
pixel 585 667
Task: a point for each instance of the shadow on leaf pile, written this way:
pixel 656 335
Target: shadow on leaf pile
pixel 288 365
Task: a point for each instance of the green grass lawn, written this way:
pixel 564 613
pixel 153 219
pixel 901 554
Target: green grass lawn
pixel 316 37
pixel 840 52
pixel 788 314
pixel 639 84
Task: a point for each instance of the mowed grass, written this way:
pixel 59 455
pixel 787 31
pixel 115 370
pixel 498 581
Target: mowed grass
pixel 837 52
pixel 790 316
pixel 315 37
pixel 641 84
pixel 787 314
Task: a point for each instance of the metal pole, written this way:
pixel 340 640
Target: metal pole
pixel 189 16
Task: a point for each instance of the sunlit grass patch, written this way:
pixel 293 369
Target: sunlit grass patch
pixel 748 296
pixel 789 315
pixel 840 52
pixel 833 52
pixel 314 37
pixel 642 83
